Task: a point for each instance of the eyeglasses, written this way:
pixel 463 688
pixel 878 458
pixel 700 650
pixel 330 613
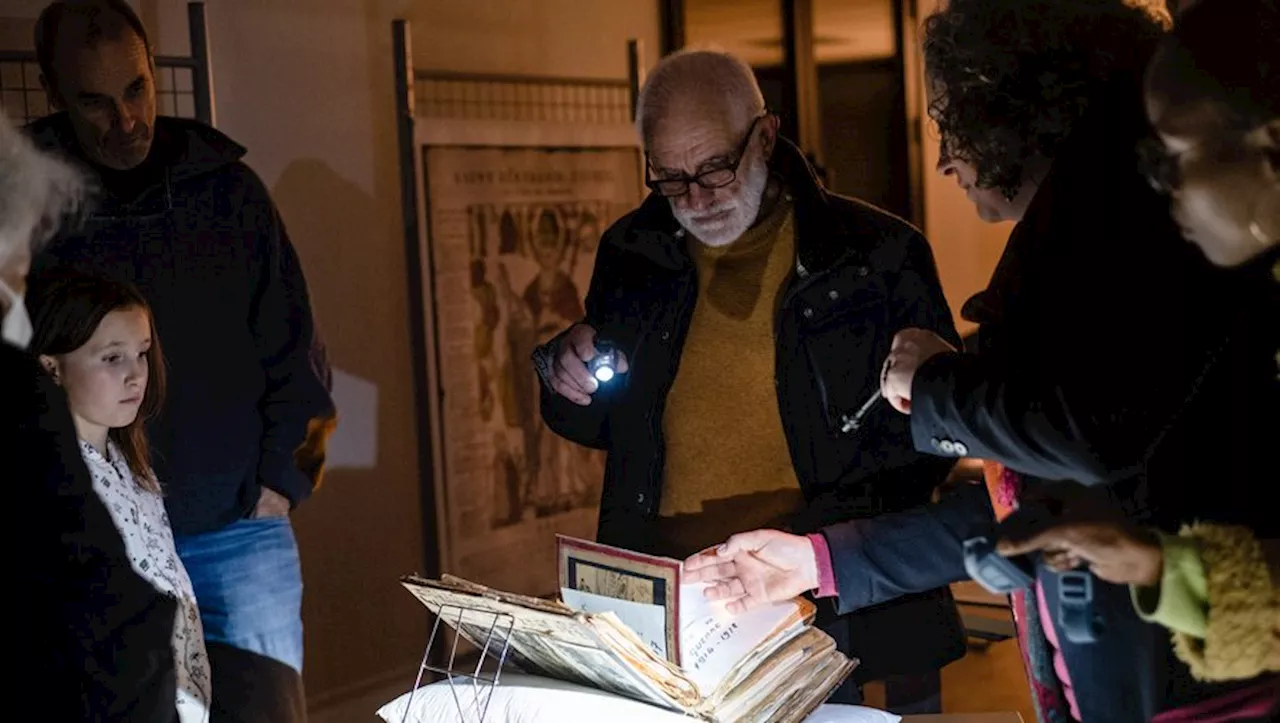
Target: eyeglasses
pixel 710 180
pixel 1159 166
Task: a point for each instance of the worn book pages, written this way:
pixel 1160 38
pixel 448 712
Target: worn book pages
pixel 647 621
pixel 549 639
pixel 720 648
pixel 646 593
pixel 784 681
pixel 762 667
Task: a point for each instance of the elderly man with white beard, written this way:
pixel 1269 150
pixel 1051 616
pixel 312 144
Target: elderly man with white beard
pixel 749 311
pixel 91 635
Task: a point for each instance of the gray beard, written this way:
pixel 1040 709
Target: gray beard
pixel 746 208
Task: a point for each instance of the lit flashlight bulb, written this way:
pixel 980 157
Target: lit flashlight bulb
pixel 602 365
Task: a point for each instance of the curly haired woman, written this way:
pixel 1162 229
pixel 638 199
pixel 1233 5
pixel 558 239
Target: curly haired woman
pixel 1108 355
pixel 1216 107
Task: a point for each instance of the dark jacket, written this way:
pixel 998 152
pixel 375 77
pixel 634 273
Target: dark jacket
pixel 869 275
pixel 91 637
pixel 1111 353
pixel 252 688
pixel 205 245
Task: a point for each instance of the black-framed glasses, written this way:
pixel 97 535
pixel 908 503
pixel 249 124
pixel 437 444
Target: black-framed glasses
pixel 1159 166
pixel 710 179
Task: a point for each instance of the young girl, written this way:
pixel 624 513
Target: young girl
pixel 96 339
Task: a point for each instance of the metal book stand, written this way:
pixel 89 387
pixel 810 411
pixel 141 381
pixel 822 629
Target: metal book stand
pixel 472 688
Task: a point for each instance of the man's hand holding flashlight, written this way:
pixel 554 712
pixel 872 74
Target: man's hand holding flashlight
pixel 571 377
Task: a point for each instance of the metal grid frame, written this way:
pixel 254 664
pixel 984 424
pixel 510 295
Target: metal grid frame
pixel 466 96
pixel 472 686
pixel 183 83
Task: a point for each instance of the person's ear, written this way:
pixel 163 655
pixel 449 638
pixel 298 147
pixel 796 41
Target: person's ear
pixel 51 367
pixel 51 93
pixel 769 136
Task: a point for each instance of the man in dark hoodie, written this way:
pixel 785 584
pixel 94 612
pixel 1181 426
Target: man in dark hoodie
pixel 184 219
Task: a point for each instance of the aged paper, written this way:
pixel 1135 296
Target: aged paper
pixel 647 621
pixel 512 238
pixel 718 645
pixel 547 640
pixel 783 678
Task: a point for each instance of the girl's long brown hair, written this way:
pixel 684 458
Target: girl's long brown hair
pixel 68 309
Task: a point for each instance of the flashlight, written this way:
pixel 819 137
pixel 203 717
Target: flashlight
pixel 603 366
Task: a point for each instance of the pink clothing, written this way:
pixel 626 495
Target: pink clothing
pixel 1059 662
pixel 826 571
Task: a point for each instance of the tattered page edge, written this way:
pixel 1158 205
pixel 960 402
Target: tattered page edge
pixel 817 652
pixel 585 625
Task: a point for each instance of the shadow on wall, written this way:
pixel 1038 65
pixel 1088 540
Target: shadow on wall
pixel 346 606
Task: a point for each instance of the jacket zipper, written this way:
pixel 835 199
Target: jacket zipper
pixel 799 285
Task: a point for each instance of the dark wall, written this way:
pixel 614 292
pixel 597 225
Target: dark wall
pixel 864 134
pixel 864 130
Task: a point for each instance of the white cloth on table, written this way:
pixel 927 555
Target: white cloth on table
pixel 533 699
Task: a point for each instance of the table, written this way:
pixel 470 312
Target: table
pixel 831 713
pixel 964 718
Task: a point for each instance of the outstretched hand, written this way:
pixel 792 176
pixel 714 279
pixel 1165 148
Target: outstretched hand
pixel 1113 551
pixel 754 569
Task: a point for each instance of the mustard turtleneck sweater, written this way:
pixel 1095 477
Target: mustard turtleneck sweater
pixel 727 462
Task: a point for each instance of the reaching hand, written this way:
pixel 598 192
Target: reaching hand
pixel 570 377
pixel 1114 552
pixel 911 349
pixel 753 569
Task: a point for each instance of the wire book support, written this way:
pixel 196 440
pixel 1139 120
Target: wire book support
pixel 473 693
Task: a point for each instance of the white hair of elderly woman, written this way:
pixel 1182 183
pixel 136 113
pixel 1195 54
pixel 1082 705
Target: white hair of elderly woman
pixel 38 192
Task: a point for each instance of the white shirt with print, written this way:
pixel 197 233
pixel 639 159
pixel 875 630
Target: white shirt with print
pixel 143 523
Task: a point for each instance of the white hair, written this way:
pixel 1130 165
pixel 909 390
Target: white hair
pixel 707 75
pixel 37 193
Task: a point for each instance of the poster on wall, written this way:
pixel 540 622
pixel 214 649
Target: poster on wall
pixel 512 234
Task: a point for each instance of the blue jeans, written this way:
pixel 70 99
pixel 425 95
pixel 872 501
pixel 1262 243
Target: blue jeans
pixel 248 583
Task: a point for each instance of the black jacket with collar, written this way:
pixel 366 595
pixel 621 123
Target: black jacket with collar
pixel 206 246
pixel 867 275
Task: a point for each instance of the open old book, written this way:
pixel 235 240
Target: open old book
pixel 767 665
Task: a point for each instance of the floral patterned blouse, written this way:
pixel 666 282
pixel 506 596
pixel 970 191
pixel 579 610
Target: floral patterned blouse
pixel 143 523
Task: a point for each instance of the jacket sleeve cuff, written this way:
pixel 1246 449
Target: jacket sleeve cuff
pixel 1239 603
pixel 543 358
pixel 1179 602
pixel 822 556
pixel 278 473
pixel 853 590
pixel 930 387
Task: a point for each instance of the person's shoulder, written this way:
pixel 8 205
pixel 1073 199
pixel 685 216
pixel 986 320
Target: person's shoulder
pixel 620 229
pixel 865 215
pixel 52 132
pixel 204 152
pixel 19 374
pixel 648 225
pixel 197 142
pixel 890 239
